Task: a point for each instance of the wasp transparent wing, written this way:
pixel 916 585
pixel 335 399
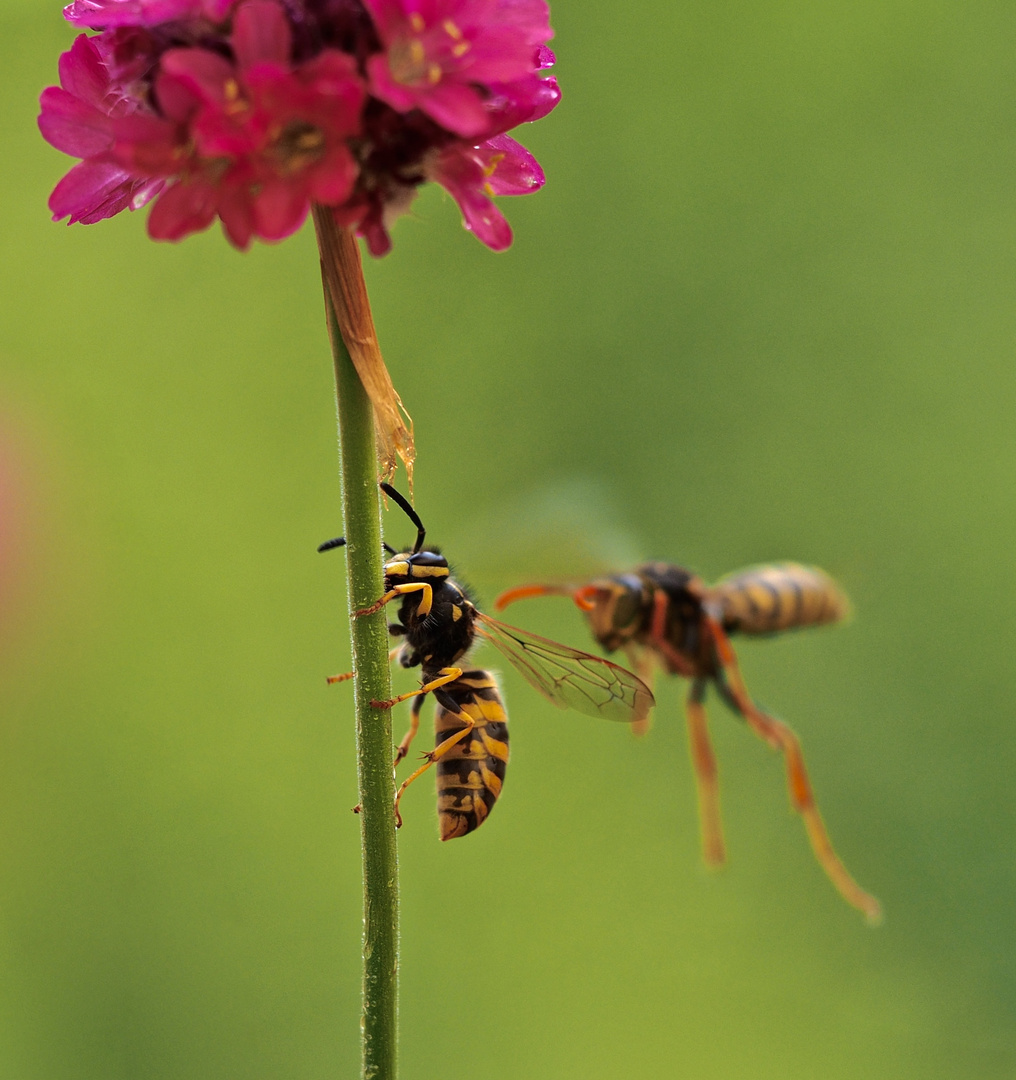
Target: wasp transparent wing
pixel 570 678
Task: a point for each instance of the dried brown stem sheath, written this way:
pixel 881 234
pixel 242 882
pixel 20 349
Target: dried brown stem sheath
pixel 343 275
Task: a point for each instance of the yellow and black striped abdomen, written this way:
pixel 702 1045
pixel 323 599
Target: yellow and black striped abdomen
pixel 780 596
pixel 470 775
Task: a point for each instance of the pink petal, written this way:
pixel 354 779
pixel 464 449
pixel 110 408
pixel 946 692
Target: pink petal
pixel 216 134
pixel 73 126
pixel 280 209
pixel 331 181
pixel 334 75
pixel 186 207
pixel 261 34
pixel 378 241
pixel 91 191
pixel 383 86
pixel 497 56
pixel 456 107
pixel 522 101
pixel 516 171
pixel 237 216
pixel 200 73
pixel 389 17
pixel 531 15
pixel 145 191
pixel 147 146
pixel 482 217
pixel 82 72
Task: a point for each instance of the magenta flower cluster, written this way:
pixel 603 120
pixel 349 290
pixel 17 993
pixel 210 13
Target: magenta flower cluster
pixel 250 110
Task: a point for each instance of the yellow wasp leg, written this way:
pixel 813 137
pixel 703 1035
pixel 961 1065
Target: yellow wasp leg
pixel 399 590
pixel 434 755
pixel 704 761
pixel 346 676
pixel 445 675
pixel 801 795
pixel 414 725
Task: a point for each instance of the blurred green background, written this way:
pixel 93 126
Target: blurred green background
pixel 765 308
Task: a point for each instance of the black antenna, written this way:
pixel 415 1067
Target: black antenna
pixel 340 541
pixel 410 513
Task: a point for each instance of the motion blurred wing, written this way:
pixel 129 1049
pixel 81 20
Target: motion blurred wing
pixel 570 678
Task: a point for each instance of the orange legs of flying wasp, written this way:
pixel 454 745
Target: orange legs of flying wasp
pixel 706 776
pixel 782 738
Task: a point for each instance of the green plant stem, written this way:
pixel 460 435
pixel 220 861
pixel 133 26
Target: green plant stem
pixel 372 680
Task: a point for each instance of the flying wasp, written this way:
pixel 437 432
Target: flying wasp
pixel 439 624
pixel 663 615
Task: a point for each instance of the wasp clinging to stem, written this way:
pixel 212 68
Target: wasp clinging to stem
pixel 439 624
pixel 663 615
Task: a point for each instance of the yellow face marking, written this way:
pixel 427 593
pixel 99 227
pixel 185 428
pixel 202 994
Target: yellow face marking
pixel 397 569
pixel 428 571
pixel 456 613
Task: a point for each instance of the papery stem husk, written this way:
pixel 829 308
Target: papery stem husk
pixel 343 276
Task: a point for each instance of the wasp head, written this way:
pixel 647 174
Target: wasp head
pixel 615 608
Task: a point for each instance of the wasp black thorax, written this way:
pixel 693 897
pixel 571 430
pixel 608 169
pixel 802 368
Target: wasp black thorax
pixel 682 625
pixel 436 620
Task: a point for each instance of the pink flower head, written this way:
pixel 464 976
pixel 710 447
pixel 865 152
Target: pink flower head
pixel 442 55
pixel 250 110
